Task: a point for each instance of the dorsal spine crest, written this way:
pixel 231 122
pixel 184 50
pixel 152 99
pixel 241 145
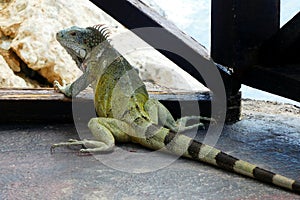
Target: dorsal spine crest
pixel 101 33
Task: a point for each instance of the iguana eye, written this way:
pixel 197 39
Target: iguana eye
pixel 73 33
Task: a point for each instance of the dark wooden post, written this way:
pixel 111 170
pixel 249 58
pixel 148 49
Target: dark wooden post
pixel 239 27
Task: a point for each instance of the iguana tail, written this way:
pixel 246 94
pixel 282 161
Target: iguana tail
pixel 208 154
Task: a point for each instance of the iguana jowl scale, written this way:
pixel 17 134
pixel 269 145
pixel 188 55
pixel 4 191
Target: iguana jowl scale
pixel 126 114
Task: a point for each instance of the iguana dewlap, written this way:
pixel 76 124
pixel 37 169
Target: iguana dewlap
pixel 126 114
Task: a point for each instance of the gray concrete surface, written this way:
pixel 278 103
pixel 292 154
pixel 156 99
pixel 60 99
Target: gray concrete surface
pixel 268 135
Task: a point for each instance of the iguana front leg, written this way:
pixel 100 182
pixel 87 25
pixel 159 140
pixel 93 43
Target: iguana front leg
pixel 71 90
pixel 105 131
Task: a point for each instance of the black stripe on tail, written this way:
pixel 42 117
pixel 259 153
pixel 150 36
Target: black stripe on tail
pixel 296 187
pixel 169 137
pixel 229 163
pixel 263 175
pixel 226 161
pixel 194 149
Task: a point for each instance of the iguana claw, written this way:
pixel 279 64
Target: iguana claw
pixel 64 88
pixel 70 142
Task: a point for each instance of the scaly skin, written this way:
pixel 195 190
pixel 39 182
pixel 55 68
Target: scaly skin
pixel 126 114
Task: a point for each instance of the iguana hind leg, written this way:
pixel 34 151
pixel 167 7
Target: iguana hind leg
pixel 160 115
pixel 182 122
pixel 104 130
pixel 92 145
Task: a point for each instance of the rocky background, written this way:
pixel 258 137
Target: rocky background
pixel 30 56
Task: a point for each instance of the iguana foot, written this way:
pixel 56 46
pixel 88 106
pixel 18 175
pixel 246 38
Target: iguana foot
pixel 70 142
pixel 64 88
pixel 92 146
pixel 182 122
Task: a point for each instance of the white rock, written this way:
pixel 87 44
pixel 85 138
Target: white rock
pixel 32 25
pixel 8 79
pixel 33 28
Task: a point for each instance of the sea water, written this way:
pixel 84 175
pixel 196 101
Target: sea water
pixel 194 18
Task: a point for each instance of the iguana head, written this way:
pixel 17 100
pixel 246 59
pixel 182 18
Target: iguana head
pixel 80 41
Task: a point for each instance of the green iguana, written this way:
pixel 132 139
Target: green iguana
pixel 126 113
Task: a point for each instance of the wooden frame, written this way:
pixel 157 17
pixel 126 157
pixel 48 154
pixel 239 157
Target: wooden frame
pixel 263 55
pixel 46 105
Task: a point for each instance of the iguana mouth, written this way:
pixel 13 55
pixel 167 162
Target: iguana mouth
pixel 78 54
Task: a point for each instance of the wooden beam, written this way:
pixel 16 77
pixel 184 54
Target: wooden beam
pixel 246 36
pixel 239 27
pixel 278 67
pixel 280 80
pixel 46 105
pixel 284 46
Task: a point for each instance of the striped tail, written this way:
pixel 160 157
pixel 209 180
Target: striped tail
pixel 208 154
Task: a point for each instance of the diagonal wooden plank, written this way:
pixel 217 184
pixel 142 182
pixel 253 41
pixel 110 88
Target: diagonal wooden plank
pixel 280 80
pixel 284 46
pixel 136 16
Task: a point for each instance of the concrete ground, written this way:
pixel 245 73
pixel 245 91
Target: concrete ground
pixel 268 135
